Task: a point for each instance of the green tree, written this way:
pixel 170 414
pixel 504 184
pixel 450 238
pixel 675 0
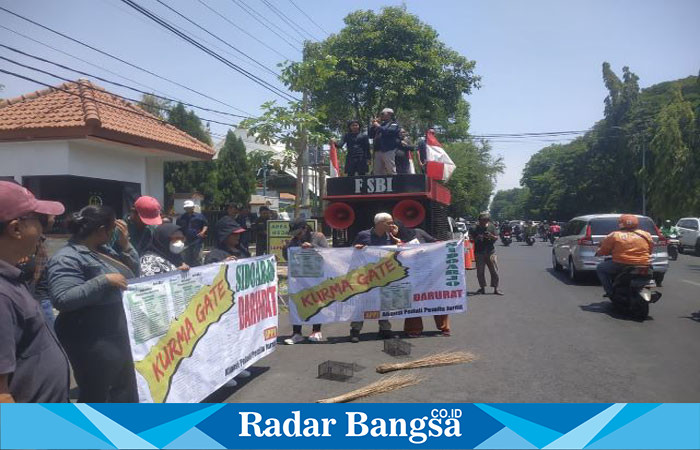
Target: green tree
pixel 509 204
pixel 386 59
pixel 235 178
pixel 292 126
pixel 188 122
pixel 157 106
pixel 474 179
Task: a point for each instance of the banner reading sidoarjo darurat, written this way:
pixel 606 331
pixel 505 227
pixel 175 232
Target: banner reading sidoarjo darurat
pixel 344 284
pixel 193 331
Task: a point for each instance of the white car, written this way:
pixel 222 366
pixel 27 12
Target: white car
pixel 689 234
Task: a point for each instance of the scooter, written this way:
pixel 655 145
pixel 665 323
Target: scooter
pixel 632 291
pixel 553 237
pixel 673 244
pixel 530 240
pixel 506 239
pixel 518 235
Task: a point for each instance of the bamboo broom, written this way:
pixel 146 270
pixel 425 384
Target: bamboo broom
pixel 437 359
pixel 386 384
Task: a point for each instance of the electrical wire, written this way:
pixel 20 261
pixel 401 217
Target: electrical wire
pixel 261 65
pixel 245 7
pixel 308 17
pixel 293 25
pixel 118 59
pixel 210 52
pixel 114 83
pixel 243 30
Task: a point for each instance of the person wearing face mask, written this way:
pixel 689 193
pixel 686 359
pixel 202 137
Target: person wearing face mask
pixel 86 280
pixel 33 367
pixel 165 252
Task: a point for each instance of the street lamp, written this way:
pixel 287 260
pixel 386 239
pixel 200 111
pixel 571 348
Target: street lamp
pixel 265 169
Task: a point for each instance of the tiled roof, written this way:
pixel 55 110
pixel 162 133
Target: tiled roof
pixel 82 109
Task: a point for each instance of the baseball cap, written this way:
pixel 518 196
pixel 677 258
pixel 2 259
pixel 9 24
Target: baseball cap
pixel 148 209
pixel 188 204
pixel 16 201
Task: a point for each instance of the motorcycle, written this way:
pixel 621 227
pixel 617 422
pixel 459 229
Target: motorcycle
pixel 632 291
pixel 552 237
pixel 530 240
pixel 673 244
pixel 518 236
pixel 506 239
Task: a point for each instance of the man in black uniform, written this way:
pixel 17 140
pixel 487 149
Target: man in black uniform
pixel 357 160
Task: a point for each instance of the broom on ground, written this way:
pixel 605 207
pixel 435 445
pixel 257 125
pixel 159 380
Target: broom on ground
pixel 437 359
pixel 386 384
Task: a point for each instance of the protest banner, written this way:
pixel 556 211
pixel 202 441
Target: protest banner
pixel 278 236
pixel 191 332
pixel 391 282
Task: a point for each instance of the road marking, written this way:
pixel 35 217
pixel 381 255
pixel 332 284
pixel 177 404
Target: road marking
pixel 692 282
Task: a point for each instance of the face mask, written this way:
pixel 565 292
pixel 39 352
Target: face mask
pixel 177 247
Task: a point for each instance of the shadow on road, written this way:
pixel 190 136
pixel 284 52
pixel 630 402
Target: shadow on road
pixel 589 279
pixel 611 310
pixel 224 392
pixel 694 316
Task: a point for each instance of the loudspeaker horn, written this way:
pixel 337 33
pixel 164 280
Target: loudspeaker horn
pixel 410 212
pixel 339 215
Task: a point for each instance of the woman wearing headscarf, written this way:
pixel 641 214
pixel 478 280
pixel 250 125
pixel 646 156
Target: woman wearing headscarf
pixel 86 279
pixel 165 252
pixel 228 242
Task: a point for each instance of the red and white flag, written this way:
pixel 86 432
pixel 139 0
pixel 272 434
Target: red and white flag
pixel 439 164
pixel 335 167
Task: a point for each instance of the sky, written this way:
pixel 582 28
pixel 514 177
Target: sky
pixel 539 61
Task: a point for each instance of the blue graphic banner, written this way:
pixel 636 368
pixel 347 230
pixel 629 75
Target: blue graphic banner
pixel 360 426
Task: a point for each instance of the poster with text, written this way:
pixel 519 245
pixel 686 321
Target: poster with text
pixel 391 282
pixel 193 331
pixel 278 236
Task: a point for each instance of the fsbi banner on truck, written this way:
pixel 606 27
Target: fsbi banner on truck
pixel 193 331
pixel 391 282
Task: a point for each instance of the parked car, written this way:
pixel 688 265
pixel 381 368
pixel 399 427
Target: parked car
pixel 689 234
pixel 580 238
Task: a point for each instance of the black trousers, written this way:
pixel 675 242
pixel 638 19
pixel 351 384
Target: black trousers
pixel 296 329
pixel 356 166
pixel 402 164
pixel 102 365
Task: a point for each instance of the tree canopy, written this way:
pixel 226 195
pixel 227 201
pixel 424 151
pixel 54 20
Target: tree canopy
pixel 386 59
pixel 603 170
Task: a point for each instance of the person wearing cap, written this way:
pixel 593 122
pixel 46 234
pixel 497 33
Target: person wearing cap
pixel 86 281
pixel 195 227
pixel 484 235
pixel 165 253
pixel 303 236
pixel 228 242
pixel 33 366
pixel 385 133
pixel 358 154
pixel 628 246
pixel 380 234
pixel 144 217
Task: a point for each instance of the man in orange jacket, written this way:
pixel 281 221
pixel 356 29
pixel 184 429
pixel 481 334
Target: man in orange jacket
pixel 628 246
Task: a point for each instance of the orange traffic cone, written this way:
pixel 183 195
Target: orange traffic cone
pixel 469 255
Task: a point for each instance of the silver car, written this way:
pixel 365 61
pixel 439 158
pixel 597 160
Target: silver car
pixel 580 238
pixel 689 234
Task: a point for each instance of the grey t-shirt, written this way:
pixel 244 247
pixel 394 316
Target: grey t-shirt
pixel 30 354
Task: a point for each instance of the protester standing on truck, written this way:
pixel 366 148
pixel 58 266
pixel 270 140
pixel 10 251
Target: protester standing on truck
pixel 358 154
pixel 385 133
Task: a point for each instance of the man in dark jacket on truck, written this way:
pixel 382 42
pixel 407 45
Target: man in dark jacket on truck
pixel 357 160
pixel 386 139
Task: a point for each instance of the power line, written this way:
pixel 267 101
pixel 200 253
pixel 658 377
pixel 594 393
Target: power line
pixel 263 66
pixel 210 52
pixel 243 30
pixel 112 82
pixel 252 13
pixel 119 59
pixel 111 105
pixel 294 26
pixel 308 17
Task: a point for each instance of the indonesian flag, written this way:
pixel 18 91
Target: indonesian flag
pixel 439 165
pixel 335 167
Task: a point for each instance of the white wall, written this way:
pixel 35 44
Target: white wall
pixel 33 158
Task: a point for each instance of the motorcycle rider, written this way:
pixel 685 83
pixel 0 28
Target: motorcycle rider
pixel 530 229
pixel 668 229
pixel 506 228
pixel 629 246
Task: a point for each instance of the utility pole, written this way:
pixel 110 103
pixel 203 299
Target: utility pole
pixel 644 176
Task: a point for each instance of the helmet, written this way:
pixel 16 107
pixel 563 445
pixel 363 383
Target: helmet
pixel 628 221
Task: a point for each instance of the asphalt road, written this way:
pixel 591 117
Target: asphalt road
pixel 546 340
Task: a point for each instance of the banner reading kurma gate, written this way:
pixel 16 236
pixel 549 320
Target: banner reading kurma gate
pixel 193 331
pixel 343 284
